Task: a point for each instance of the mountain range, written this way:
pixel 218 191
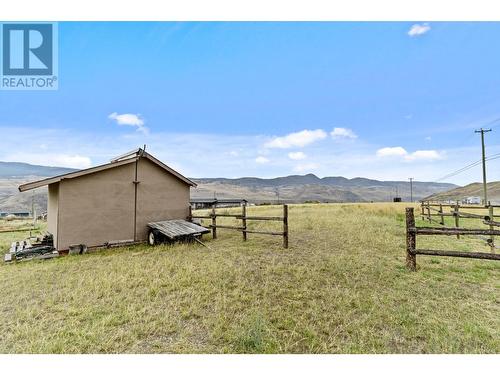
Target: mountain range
pixel 15 169
pixel 309 187
pixel 292 189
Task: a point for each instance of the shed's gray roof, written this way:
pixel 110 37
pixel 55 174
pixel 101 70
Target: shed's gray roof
pixel 128 158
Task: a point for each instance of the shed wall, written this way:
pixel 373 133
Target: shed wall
pixel 52 210
pixel 160 196
pixel 97 208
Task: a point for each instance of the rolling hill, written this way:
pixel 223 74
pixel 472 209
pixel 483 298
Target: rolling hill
pixel 14 169
pixel 295 188
pixel 13 174
pixel 474 189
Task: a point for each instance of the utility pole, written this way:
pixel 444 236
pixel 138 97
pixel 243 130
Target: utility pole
pixel 482 131
pixel 411 189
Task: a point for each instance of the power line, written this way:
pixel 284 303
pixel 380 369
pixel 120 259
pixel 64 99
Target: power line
pixel 483 160
pixel 492 123
pixel 463 169
pixel 467 167
pixel 492 157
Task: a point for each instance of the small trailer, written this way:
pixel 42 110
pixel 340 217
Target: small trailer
pixel 170 231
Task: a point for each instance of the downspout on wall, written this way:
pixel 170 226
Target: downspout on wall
pixel 140 153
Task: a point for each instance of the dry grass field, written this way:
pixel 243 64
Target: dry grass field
pixel 341 287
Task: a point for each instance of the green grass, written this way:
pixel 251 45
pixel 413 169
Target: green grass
pixel 341 288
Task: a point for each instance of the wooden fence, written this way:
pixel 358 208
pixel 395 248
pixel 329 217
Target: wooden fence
pixel 244 219
pixel 411 240
pixel 431 210
pixel 26 229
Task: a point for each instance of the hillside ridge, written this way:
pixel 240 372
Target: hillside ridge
pixel 470 190
pixel 292 189
pixel 17 169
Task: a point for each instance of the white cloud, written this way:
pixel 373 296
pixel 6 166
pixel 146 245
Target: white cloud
pixel 72 161
pixel 428 138
pixel 425 155
pixel 299 155
pixel 419 29
pixel 391 151
pixel 298 139
pixel 340 133
pixel 261 160
pixel 307 167
pixel 130 119
pixel 400 152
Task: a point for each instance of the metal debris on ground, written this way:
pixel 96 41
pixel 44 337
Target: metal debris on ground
pixel 77 249
pixel 23 250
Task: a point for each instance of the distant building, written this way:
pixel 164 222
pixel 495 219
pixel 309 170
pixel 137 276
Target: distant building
pixel 472 200
pixel 201 203
pixel 16 214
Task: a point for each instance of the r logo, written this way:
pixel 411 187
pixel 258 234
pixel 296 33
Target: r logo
pixel 27 49
pixel 28 58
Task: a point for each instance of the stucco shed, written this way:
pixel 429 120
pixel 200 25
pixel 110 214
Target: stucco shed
pixel 113 202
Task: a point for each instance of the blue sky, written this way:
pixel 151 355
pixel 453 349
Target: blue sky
pixel 379 100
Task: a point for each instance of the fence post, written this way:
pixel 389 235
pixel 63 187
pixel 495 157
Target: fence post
pixel 190 213
pixel 423 212
pixel 244 220
pixel 492 238
pixel 441 212
pixel 411 237
pixel 214 223
pixel 456 213
pixel 285 226
pixel 429 211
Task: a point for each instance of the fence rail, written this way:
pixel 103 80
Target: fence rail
pixel 429 210
pixel 411 241
pixel 244 218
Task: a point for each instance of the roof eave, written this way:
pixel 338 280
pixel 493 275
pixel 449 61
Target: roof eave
pixel 55 179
